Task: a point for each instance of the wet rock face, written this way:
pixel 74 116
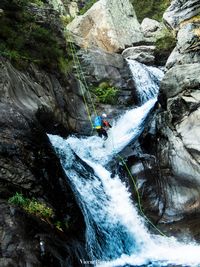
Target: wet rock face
pixel 100 66
pixel 15 152
pixel 33 102
pixel 110 25
pixel 178 123
pixel 28 165
pixel 56 103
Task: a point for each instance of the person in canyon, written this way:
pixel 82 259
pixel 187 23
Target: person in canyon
pixel 100 123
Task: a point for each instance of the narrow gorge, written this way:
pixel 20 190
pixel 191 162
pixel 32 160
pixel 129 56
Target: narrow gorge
pixel 67 196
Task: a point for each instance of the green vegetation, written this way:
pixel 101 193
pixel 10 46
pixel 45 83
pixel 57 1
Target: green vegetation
pixel 65 65
pixel 87 6
pixel 166 41
pixel 38 2
pixel 61 225
pixel 22 38
pixel 105 93
pixel 66 20
pixel 39 209
pixel 32 206
pixel 153 9
pixel 164 45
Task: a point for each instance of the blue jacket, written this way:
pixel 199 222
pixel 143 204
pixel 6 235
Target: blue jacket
pixel 98 122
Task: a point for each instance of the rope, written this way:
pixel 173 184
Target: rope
pixel 137 193
pixel 80 71
pixel 83 94
pixel 81 77
pixel 138 197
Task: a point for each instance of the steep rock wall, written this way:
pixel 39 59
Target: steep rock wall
pixel 33 102
pixel 178 123
pixel 41 94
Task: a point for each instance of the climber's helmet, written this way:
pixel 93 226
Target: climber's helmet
pixel 104 115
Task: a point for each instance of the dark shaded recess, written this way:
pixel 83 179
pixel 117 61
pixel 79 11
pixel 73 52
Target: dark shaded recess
pixel 177 109
pixel 145 152
pixel 49 123
pixel 29 165
pixel 161 56
pixel 23 239
pixel 154 185
pixel 162 99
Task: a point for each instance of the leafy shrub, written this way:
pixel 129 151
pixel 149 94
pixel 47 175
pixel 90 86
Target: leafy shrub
pixel 106 94
pixel 87 6
pixel 22 38
pixel 65 65
pixel 66 20
pixel 39 209
pixel 18 199
pixel 150 8
pixel 32 206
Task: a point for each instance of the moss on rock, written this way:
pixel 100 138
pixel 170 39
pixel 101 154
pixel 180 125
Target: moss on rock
pixel 23 38
pixel 164 45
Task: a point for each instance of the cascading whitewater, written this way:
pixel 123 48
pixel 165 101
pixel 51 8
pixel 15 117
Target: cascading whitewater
pixel 128 127
pixel 110 231
pixel 115 233
pixel 146 79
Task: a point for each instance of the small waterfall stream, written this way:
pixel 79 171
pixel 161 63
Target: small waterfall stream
pixel 116 235
pixel 142 75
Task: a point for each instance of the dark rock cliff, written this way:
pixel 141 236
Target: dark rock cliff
pixel 33 103
pixel 52 100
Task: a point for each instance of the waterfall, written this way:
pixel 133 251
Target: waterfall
pixel 146 79
pixel 127 128
pixel 116 234
pixel 110 230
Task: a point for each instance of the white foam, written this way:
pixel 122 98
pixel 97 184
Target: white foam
pixel 106 201
pixel 124 130
pixel 146 79
pixel 163 252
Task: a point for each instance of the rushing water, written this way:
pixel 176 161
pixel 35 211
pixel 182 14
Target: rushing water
pixel 115 234
pixel 127 128
pixel 146 78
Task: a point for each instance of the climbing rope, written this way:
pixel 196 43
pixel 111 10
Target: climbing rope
pixel 137 192
pixel 138 198
pixel 83 93
pixel 81 78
